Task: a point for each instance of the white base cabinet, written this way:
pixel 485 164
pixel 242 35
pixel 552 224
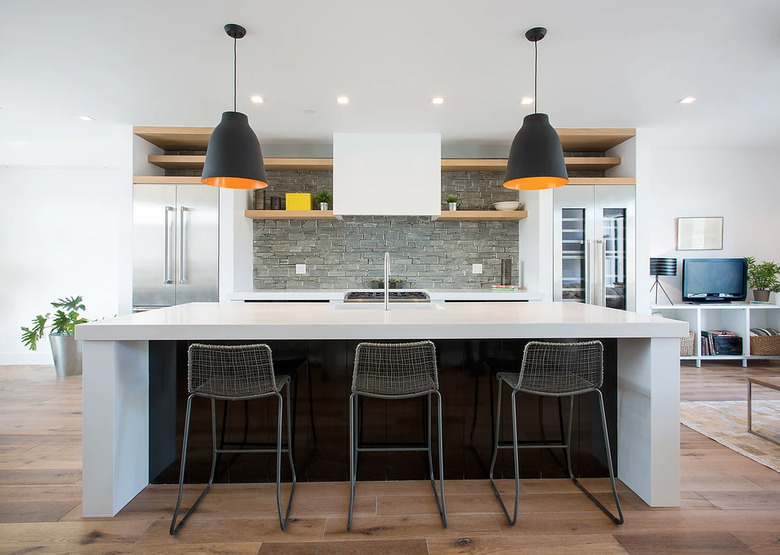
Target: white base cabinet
pixel 736 317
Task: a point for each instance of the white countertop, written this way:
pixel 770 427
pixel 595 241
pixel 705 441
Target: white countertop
pixel 338 295
pixel 465 320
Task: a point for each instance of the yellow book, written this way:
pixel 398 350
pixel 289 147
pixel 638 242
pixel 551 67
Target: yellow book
pixel 298 201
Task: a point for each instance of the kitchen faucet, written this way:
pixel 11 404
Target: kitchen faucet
pixel 387 281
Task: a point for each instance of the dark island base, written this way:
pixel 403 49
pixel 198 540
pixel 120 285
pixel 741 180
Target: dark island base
pixel 468 387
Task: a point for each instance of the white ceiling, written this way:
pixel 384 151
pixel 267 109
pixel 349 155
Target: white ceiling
pixel 604 63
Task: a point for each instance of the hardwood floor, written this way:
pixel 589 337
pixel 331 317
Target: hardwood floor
pixel 730 503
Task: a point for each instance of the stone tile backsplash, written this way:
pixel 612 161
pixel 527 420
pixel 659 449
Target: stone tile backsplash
pixel 349 253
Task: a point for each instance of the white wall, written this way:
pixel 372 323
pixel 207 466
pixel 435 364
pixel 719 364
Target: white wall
pixel 64 220
pixel 674 181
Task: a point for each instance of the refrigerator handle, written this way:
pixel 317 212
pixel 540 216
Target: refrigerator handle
pixel 599 277
pixel 588 278
pixel 184 235
pixel 170 216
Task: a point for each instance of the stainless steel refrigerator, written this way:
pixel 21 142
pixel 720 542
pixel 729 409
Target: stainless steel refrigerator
pixel 175 245
pixel 594 238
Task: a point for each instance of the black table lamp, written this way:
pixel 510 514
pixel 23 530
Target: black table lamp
pixel 662 267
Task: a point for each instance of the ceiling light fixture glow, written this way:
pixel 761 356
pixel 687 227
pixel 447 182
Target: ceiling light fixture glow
pixel 526 100
pixel 86 118
pixel 233 158
pixel 437 100
pixel 687 100
pixel 257 99
pixel 343 100
pixel 536 157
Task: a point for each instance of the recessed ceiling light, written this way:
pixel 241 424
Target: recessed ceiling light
pixel 257 99
pixel 526 100
pixel 343 100
pixel 86 118
pixel 437 100
pixel 687 100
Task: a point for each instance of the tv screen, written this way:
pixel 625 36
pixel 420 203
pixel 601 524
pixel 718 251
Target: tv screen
pixel 714 279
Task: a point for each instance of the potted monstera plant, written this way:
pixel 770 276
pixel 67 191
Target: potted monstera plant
pixel 62 328
pixel 762 278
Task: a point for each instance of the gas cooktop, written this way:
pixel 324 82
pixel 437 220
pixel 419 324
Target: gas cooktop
pixel 395 296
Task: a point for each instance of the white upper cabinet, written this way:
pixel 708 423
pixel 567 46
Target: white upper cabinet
pixel 387 174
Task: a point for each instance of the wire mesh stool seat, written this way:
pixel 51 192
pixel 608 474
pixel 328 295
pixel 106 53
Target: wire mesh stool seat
pixel 555 370
pixel 235 373
pixel 395 371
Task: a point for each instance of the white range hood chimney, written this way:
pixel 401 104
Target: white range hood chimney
pixel 387 174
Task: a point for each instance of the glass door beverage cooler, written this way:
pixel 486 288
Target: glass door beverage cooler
pixel 594 245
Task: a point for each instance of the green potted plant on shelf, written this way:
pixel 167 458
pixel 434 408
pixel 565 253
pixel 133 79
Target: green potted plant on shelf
pixel 62 329
pixel 452 202
pixel 762 278
pixel 324 198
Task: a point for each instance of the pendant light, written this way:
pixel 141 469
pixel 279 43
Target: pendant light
pixel 536 157
pixel 233 158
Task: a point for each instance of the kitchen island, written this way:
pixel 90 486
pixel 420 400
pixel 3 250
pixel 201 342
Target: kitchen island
pixel 117 373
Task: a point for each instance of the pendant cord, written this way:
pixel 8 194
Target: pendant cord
pixel 235 42
pixel 536 55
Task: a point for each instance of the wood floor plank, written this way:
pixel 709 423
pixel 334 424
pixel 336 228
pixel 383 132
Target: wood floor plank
pixel 763 543
pixel 358 547
pixel 411 526
pixel 688 543
pixel 26 476
pixel 525 545
pixel 216 530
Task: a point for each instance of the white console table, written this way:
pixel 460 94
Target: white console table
pixel 737 317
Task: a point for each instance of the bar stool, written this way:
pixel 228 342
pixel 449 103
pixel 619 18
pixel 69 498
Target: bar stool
pixel 555 370
pixel 234 373
pixel 395 371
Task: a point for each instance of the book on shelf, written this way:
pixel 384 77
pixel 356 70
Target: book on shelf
pixel 720 342
pixel 503 288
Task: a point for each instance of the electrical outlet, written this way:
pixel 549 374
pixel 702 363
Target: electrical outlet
pixel 476 268
pixel 300 269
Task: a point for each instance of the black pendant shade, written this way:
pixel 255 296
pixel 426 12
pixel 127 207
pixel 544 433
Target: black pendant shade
pixel 234 159
pixel 536 157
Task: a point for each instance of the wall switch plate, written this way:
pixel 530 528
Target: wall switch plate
pixel 476 268
pixel 300 269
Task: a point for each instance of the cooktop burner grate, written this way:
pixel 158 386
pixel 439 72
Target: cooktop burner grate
pixel 395 296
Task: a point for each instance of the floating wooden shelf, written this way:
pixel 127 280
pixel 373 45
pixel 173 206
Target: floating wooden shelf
pixel 499 164
pixel 197 138
pixel 290 214
pixel 483 215
pixel 195 162
pixel 175 138
pixel 166 180
pixel 602 181
pixel 462 215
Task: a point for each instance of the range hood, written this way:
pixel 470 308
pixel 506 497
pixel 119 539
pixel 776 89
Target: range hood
pixel 387 174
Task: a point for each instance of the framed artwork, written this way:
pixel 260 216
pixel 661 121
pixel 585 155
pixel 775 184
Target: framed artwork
pixel 700 234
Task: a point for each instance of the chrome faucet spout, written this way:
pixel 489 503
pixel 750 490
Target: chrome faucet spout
pixel 387 281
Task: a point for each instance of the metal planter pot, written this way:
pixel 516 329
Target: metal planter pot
pixel 67 355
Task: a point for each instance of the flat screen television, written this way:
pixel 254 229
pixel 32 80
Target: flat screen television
pixel 714 280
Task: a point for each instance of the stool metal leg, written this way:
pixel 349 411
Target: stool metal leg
pixel 176 527
pixel 439 502
pixel 353 426
pixel 513 519
pixel 616 519
pixel 283 520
